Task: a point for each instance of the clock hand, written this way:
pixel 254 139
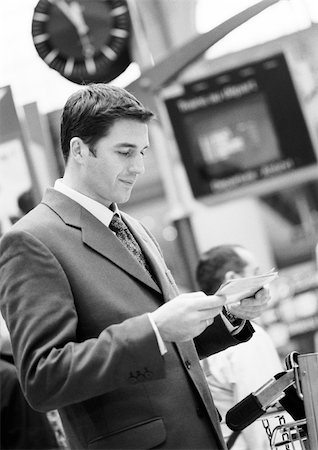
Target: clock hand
pixel 73 13
pixel 65 8
pixel 81 28
pixel 77 18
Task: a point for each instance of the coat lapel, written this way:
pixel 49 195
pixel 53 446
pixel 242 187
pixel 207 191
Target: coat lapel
pixel 103 241
pixel 96 235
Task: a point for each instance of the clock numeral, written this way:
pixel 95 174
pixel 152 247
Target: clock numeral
pixel 69 66
pixel 119 32
pixel 109 53
pixel 51 56
pixel 40 38
pixel 90 65
pixel 118 11
pixel 40 17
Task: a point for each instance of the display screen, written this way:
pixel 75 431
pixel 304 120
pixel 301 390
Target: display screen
pixel 241 126
pixel 238 138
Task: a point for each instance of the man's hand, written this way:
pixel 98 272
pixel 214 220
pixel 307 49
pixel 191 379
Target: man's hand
pixel 187 315
pixel 251 307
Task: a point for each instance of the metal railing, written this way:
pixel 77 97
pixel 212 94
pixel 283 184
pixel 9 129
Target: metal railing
pixel 298 434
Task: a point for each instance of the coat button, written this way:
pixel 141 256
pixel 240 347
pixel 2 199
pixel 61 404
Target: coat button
pixel 148 374
pixel 132 379
pixel 188 364
pixel 140 376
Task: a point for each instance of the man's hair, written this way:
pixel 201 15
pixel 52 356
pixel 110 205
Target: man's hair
pixel 26 201
pixel 90 113
pixel 214 264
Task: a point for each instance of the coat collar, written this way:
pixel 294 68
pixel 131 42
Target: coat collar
pixel 98 237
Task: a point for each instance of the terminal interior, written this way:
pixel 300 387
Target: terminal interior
pixel 234 144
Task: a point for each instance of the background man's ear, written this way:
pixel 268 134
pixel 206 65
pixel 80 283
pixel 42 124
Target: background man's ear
pixel 230 275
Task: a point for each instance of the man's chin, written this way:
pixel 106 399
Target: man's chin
pixel 123 198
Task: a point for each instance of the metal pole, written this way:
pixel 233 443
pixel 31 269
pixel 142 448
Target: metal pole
pixel 163 142
pixel 308 370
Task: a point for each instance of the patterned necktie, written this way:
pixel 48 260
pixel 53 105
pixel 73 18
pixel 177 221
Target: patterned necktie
pixel 127 239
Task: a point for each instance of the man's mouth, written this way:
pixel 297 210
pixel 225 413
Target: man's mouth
pixel 129 182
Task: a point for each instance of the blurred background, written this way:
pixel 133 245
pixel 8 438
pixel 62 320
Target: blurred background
pixel 234 143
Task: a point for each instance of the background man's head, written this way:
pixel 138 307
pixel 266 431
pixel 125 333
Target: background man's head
pixel 90 112
pixel 222 263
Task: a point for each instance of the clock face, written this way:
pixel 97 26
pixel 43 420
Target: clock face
pixel 84 40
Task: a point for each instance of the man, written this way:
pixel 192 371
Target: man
pixel 237 371
pixel 98 331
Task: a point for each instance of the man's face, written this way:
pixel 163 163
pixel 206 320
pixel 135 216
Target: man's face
pixel 110 176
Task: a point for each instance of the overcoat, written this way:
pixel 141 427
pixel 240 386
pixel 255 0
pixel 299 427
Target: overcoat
pixel 76 303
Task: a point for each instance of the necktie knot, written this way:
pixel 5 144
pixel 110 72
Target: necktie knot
pixel 116 224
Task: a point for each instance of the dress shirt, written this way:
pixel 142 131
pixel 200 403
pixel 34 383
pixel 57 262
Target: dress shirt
pixel 101 212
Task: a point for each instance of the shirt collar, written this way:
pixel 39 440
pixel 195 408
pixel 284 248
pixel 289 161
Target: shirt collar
pixel 101 212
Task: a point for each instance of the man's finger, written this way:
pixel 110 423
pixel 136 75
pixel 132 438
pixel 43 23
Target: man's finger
pixel 210 302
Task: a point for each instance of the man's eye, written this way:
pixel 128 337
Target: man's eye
pixel 125 153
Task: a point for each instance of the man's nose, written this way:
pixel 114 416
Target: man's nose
pixel 138 166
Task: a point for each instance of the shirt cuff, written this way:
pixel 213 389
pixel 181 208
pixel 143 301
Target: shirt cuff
pixel 233 330
pixel 161 344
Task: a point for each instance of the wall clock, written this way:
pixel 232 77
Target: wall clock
pixel 84 40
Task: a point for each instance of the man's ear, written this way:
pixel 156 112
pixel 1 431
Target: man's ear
pixel 78 149
pixel 230 275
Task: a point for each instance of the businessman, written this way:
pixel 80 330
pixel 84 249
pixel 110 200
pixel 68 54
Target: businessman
pixel 98 328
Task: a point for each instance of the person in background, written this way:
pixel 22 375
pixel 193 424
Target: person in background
pixel 25 203
pixel 236 372
pixel 98 328
pixel 20 426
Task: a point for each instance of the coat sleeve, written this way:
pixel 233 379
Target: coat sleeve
pixel 54 368
pixel 216 338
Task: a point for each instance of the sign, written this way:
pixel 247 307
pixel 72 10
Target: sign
pixel 239 127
